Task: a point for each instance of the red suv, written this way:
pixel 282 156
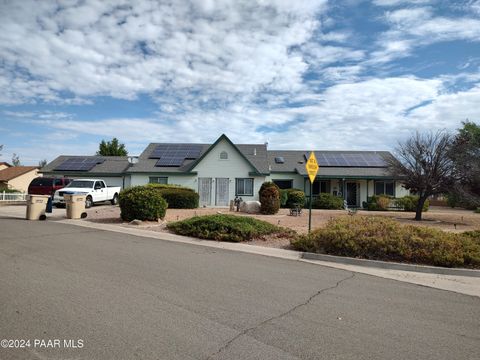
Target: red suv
pixel 46 185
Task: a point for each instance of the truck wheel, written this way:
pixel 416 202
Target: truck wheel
pixel 114 201
pixel 88 202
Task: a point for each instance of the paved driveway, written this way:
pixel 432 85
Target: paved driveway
pixel 129 297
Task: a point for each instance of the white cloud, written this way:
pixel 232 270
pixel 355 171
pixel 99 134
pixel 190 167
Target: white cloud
pixel 400 2
pixel 122 48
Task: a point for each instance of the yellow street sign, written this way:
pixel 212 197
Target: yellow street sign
pixel 312 167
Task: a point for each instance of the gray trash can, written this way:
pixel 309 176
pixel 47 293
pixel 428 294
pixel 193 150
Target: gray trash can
pixel 36 206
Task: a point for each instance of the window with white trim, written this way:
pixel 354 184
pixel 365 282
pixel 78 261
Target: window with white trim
pixel 244 186
pixel 158 180
pixel 385 188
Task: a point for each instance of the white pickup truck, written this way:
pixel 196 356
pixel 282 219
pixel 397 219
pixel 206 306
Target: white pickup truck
pixel 94 189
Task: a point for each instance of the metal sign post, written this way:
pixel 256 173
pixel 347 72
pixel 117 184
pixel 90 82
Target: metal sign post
pixel 312 168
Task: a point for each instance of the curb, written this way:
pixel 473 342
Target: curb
pixel 390 265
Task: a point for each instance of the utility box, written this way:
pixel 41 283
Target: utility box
pixel 75 206
pixel 36 206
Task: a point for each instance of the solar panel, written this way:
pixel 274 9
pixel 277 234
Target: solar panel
pixel 279 160
pixel 170 161
pixel 349 159
pixel 79 164
pixel 187 151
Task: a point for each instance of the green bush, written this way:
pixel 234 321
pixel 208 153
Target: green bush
pixel 177 197
pixel 477 210
pixel 9 191
pixel 295 197
pixel 378 203
pixel 283 197
pixel 385 239
pixel 409 203
pixel 142 203
pixel 226 228
pixel 269 195
pixel 327 201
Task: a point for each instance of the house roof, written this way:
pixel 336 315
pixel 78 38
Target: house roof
pixel 254 154
pixel 110 165
pixel 294 161
pixel 5 163
pixel 15 171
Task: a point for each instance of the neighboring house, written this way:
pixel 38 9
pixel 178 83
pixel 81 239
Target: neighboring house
pixel 109 168
pixel 4 165
pixel 17 177
pixel 223 170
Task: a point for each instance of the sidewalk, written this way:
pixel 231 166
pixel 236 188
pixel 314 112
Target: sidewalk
pixel 460 284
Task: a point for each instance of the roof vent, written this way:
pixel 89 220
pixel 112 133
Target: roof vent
pixel 279 160
pixel 254 151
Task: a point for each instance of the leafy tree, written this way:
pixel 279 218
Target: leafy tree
pixel 42 163
pixel 15 160
pixel 424 165
pixel 465 154
pixel 112 148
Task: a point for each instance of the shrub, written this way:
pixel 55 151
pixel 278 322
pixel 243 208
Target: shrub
pixel 295 197
pixel 409 203
pixel 385 239
pixel 283 197
pixel 269 194
pixel 378 203
pixel 225 228
pixel 142 203
pixel 327 201
pixel 477 210
pixel 177 197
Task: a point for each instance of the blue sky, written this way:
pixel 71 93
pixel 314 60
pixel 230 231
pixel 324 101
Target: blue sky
pixel 298 74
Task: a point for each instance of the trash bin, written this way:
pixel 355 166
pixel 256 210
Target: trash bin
pixel 36 206
pixel 75 206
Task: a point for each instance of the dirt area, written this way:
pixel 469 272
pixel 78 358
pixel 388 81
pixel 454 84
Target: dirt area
pixel 443 218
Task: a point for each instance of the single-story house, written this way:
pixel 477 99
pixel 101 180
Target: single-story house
pixel 223 170
pixel 17 177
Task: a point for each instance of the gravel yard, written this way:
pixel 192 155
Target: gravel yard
pixel 447 219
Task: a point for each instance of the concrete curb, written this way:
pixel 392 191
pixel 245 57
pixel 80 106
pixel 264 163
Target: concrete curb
pixel 391 265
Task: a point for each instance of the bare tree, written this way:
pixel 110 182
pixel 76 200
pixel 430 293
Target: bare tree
pixel 424 165
pixel 15 160
pixel 42 163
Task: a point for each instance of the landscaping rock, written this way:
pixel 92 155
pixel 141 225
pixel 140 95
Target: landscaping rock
pixel 135 222
pixel 250 207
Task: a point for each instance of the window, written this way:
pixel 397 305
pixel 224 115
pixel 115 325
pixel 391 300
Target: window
pixel 284 184
pixel 244 187
pixel 223 155
pixel 58 182
pixel 385 188
pixel 319 187
pixel 158 180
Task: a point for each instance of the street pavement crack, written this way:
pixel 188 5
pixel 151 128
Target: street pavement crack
pixel 288 312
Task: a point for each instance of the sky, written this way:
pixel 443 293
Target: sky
pixel 303 74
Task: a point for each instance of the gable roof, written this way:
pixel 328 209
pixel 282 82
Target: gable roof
pixel 5 163
pixel 15 171
pixel 111 165
pixel 254 154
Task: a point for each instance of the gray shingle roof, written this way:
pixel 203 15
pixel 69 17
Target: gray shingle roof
pixel 255 153
pixel 295 162
pixel 111 165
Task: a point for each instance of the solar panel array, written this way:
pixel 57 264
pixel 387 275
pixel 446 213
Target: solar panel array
pixel 79 164
pixel 349 160
pixel 173 155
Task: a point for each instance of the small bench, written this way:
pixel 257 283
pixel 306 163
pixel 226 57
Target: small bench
pixel 296 210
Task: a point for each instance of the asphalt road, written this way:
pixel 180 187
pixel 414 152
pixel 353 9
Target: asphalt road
pixel 128 297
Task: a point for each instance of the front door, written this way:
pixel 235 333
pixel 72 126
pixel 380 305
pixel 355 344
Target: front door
pixel 352 194
pixel 205 191
pixel 221 193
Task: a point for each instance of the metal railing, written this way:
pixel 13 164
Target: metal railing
pixel 8 196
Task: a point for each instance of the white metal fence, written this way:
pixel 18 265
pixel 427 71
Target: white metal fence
pixel 18 196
